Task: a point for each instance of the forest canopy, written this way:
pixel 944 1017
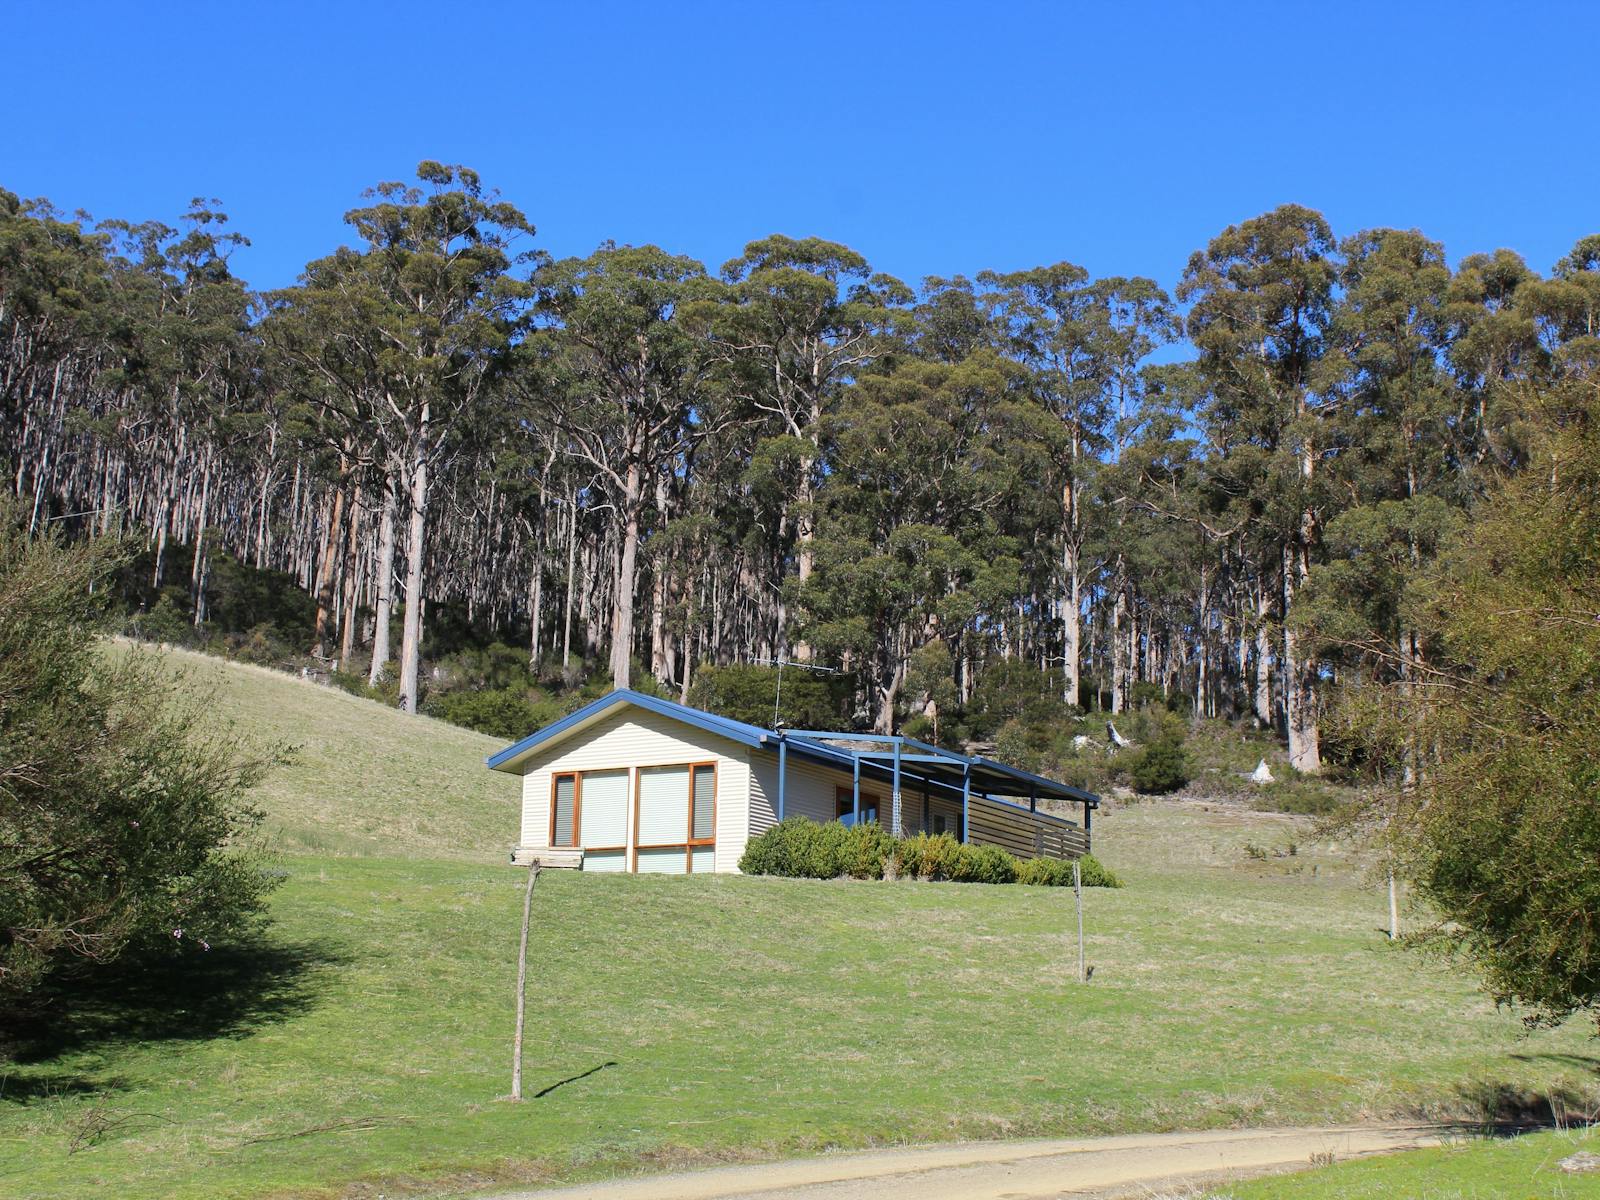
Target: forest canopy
pixel 636 466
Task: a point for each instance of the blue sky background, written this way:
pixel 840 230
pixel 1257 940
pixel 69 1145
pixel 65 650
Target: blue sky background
pixel 936 138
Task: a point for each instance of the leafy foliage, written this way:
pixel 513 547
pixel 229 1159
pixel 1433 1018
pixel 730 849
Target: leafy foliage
pixel 1056 872
pixel 801 848
pixel 1160 767
pixel 748 693
pixel 1501 829
pixel 124 819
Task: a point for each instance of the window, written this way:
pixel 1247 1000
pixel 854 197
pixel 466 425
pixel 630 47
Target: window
pixel 564 810
pixel 603 829
pixel 676 819
pixel 938 823
pixel 847 806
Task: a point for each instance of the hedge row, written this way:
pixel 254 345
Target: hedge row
pixel 801 848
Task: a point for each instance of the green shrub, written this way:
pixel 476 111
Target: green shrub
pixel 927 856
pixel 800 848
pixel 867 849
pixel 1160 767
pixel 1302 796
pixel 747 692
pixel 772 852
pixel 498 712
pixel 1057 872
pixel 1045 872
pixel 984 864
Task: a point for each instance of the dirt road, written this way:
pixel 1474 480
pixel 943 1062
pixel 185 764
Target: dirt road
pixel 1034 1170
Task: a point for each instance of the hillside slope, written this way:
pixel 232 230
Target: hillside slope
pixel 361 1049
pixel 365 779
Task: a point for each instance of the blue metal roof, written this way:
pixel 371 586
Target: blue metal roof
pixel 931 765
pixel 738 731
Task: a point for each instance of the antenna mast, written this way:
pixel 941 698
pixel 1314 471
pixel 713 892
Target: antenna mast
pixel 781 663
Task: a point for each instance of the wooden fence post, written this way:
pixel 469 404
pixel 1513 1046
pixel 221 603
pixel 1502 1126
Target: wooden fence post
pixel 1077 895
pixel 522 983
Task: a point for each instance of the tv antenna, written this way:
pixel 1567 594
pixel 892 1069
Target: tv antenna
pixel 781 663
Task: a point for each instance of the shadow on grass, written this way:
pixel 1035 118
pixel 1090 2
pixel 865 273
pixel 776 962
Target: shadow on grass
pixel 226 993
pixel 1496 1107
pixel 573 1079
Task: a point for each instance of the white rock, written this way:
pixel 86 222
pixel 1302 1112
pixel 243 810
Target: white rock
pixel 1262 773
pixel 1580 1163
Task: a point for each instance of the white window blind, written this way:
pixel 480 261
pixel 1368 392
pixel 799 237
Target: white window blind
pixel 605 808
pixel 566 806
pixel 705 791
pixel 663 806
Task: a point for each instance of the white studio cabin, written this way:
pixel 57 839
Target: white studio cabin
pixel 635 783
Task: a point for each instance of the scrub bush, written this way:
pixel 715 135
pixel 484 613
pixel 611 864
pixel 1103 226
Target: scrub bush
pixel 125 811
pixel 800 848
pixel 927 856
pixel 1160 767
pixel 1056 872
pixel 984 864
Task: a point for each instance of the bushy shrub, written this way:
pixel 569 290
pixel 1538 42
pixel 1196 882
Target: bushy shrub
pixel 1159 768
pixel 126 814
pixel 746 693
pixel 1057 872
pixel 868 847
pixel 984 864
pixel 927 856
pixel 802 849
pixel 1012 689
pixel 1097 874
pixel 1301 796
pixel 499 712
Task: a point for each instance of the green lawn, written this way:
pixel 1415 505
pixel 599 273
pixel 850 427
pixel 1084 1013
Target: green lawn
pixel 1522 1168
pixel 681 1020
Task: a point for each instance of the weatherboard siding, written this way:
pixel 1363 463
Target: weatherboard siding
pixel 812 791
pixel 809 791
pixel 634 737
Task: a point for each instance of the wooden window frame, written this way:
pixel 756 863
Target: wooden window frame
pixel 577 810
pixel 692 843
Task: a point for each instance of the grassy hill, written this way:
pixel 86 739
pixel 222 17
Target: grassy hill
pixel 365 780
pixel 679 1020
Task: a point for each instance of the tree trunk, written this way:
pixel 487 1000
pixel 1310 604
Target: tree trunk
pixel 1071 622
pixel 352 563
pixel 411 640
pixel 329 562
pixel 1263 688
pixel 1119 663
pixel 1299 692
pixel 627 581
pixel 572 571
pixel 384 610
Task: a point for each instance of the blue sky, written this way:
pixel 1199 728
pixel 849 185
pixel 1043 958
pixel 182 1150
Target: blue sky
pixel 935 138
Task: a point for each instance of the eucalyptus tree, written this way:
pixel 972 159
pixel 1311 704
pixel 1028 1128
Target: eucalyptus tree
pixel 186 354
pixel 631 394
pixel 424 315
pixel 1494 342
pixel 1083 344
pixel 1389 344
pixel 910 548
pixel 1261 297
pixel 806 316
